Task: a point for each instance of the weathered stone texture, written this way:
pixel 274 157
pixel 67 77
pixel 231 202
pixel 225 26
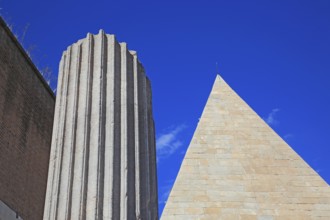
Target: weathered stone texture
pixel 103 162
pixel 26 118
pixel 237 167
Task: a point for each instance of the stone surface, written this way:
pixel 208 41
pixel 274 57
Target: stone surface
pixel 237 167
pixel 102 163
pixel 26 120
pixel 6 213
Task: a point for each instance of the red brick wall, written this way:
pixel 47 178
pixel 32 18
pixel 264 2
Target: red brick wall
pixel 26 119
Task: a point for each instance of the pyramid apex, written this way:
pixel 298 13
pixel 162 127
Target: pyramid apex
pixel 220 85
pixel 219 78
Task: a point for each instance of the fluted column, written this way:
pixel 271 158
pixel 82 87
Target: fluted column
pixel 102 162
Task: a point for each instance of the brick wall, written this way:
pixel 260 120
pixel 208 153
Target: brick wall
pixel 26 118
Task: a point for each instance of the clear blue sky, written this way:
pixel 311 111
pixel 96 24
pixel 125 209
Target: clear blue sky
pixel 274 54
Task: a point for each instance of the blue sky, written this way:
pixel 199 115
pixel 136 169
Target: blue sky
pixel 274 54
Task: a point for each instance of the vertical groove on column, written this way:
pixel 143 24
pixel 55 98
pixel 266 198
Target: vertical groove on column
pixel 123 183
pixel 62 134
pixel 51 183
pixel 142 141
pixel 109 129
pixel 137 138
pixel 80 149
pixel 147 163
pixel 76 72
pixel 83 212
pixel 116 189
pixel 152 157
pixel 102 120
pixel 69 130
pixel 93 169
pixel 130 154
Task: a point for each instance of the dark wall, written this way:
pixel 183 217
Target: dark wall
pixel 26 122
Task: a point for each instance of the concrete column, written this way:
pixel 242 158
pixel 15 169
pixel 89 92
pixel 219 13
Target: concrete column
pixel 103 135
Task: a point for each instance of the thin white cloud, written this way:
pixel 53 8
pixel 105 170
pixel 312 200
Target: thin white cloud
pixel 164 196
pixel 287 136
pixel 168 143
pixel 271 118
pixel 165 191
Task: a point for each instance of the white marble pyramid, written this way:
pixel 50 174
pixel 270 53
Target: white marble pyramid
pixel 237 167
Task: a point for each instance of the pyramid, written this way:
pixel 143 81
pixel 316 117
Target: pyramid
pixel 237 167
